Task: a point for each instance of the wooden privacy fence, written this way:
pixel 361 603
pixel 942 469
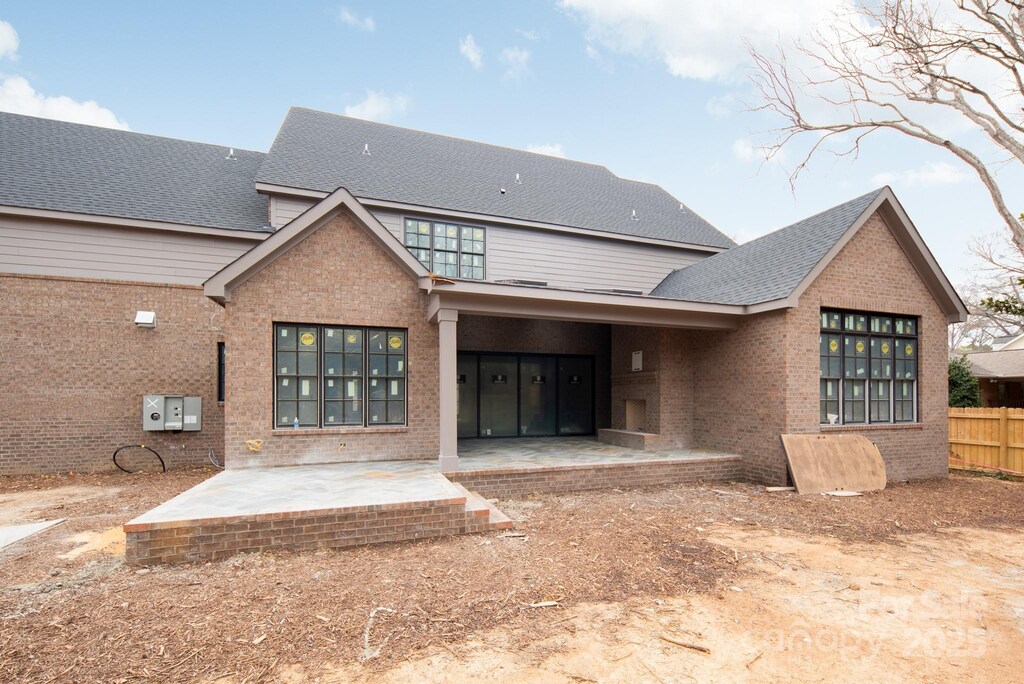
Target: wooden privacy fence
pixel 987 439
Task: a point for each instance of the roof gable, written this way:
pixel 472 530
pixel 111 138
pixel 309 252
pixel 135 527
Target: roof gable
pixel 220 285
pixel 317 151
pixel 60 166
pixel 774 270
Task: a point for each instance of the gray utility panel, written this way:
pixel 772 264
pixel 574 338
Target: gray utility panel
pixel 172 412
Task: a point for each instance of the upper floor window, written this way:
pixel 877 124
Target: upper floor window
pixel 339 376
pixel 447 249
pixel 868 368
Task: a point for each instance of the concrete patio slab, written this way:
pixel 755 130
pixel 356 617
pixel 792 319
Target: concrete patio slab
pixel 350 504
pixel 10 534
pixel 261 491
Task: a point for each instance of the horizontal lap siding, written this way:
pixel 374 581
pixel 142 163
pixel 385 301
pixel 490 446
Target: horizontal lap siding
pixel 284 209
pixel 568 260
pixel 67 249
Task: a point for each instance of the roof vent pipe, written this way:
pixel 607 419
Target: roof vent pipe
pixel 366 149
pixel 231 154
pixel 634 217
pixel 518 181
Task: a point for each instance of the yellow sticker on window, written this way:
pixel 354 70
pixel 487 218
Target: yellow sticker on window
pixel 909 349
pixel 307 339
pixel 395 342
pixel 860 347
pixel 833 345
pixel 351 339
pixel 885 347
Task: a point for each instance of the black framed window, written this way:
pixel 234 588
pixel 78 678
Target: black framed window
pixel 329 375
pixel 868 368
pixel 447 249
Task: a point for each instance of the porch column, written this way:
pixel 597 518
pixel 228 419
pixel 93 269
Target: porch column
pixel 449 393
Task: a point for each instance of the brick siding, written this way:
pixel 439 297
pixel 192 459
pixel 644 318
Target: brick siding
pixel 512 483
pixel 872 273
pixel 338 276
pixel 665 384
pixel 74 369
pixel 217 538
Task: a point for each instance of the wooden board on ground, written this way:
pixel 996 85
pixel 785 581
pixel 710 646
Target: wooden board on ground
pixel 831 463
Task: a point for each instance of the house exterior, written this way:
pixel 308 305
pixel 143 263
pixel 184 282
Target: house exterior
pixel 1000 375
pixel 365 292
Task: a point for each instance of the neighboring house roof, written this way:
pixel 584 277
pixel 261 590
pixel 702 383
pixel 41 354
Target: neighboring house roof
pixel 779 266
pixel 1007 364
pixel 60 166
pixel 318 151
pixel 1007 342
pixel 769 267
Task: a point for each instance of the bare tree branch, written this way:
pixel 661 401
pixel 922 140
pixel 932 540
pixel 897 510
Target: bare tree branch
pixel 888 65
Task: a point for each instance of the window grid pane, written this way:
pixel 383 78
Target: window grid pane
pixel 446 249
pixel 876 369
pixel 322 375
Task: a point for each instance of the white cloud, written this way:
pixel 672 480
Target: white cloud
pixel 722 106
pixel 377 106
pixel 553 150
pixel 8 41
pixel 592 52
pixel 18 97
pixel 471 51
pixel 696 38
pixel 365 24
pixel 743 149
pixel 516 61
pixel 531 35
pixel 746 151
pixel 934 173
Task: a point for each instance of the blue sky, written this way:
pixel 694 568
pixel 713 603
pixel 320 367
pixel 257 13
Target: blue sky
pixel 584 77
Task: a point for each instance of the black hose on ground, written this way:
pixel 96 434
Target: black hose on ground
pixel 137 446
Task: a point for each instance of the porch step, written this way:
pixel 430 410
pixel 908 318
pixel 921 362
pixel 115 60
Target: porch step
pixel 481 514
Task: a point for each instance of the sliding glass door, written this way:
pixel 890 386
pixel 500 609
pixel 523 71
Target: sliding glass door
pixel 525 395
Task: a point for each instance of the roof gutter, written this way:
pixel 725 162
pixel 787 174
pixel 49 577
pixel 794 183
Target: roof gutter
pixel 121 222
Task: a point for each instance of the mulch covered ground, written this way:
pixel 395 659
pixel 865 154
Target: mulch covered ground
pixel 94 619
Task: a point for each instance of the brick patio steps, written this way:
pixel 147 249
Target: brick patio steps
pixel 193 540
pixel 482 515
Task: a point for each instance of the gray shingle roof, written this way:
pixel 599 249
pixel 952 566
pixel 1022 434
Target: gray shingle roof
pixel 60 166
pixel 321 151
pixel 768 268
pixel 1007 363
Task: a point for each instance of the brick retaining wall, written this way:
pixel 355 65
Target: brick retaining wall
pixel 188 541
pixel 511 483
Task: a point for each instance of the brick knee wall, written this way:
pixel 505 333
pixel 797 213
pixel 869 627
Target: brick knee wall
pixel 511 483
pixel 74 369
pixel 192 541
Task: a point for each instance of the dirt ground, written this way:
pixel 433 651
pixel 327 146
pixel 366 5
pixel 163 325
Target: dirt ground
pixel 921 581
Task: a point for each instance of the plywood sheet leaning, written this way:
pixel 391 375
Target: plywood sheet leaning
pixel 834 463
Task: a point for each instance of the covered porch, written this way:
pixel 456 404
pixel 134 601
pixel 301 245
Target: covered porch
pixel 528 364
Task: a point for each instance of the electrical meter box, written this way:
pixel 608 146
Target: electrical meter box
pixel 172 412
